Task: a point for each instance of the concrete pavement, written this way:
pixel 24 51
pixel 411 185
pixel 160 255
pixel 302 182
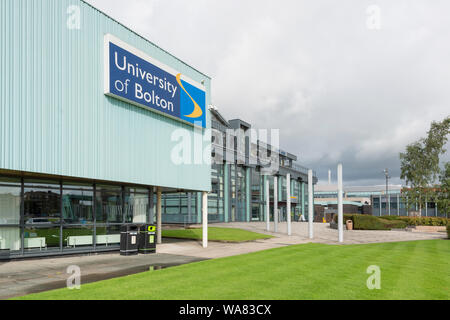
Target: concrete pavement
pixel 18 278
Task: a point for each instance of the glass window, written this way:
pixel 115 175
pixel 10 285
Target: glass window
pixel 136 207
pixel 10 238
pixel 41 237
pixel 376 203
pixel 10 202
pixel 172 210
pixel 108 236
pixel 77 237
pixel 78 206
pixel 42 203
pixel 136 190
pixel 109 205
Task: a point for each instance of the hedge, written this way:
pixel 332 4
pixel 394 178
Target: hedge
pixel 448 231
pixel 420 221
pixel 368 222
pixel 361 222
pixel 410 221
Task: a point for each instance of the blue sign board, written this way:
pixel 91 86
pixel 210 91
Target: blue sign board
pixel 133 77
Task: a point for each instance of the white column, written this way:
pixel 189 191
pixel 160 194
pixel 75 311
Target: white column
pixel 388 197
pixel 205 219
pixel 159 216
pixel 340 205
pixel 275 203
pixel 288 203
pixel 310 205
pixel 267 186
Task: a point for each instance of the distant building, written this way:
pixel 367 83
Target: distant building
pixel 368 200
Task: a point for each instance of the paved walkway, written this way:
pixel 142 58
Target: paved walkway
pixel 23 277
pixel 322 234
pixel 19 278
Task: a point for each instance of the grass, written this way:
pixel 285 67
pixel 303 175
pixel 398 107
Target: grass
pixel 409 270
pixel 216 234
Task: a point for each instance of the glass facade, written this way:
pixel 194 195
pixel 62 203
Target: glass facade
pixel 216 200
pixel 180 208
pixel 257 195
pixel 41 217
pixel 238 197
pixel 10 213
pixel 399 207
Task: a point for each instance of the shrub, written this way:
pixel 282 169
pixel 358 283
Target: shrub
pixel 394 224
pixel 425 221
pixel 448 231
pixel 366 222
pixel 361 221
pixel 391 217
pixel 419 221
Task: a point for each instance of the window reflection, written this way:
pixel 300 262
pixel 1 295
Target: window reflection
pixel 109 205
pixel 78 206
pixel 41 237
pixel 10 204
pixel 136 207
pixel 42 204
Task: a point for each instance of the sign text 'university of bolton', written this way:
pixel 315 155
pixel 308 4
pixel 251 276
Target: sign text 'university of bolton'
pixel 132 76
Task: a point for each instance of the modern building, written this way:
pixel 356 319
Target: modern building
pixel 238 180
pixel 370 200
pixel 94 124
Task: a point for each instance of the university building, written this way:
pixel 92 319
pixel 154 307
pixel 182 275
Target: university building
pixel 86 144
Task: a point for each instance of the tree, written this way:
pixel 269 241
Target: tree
pixel 420 164
pixel 443 191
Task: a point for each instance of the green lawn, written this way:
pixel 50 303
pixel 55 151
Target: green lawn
pixel 216 234
pixel 409 270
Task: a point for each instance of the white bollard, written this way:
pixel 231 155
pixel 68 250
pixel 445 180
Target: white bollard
pixel 158 216
pixel 205 219
pixel 267 204
pixel 340 205
pixel 288 204
pixel 310 205
pixel 275 203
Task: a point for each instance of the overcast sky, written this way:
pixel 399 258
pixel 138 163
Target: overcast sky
pixel 342 85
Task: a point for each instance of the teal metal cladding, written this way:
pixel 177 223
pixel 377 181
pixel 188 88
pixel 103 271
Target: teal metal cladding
pixel 55 118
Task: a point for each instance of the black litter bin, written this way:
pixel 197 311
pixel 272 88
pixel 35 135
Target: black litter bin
pixel 129 240
pixel 147 239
